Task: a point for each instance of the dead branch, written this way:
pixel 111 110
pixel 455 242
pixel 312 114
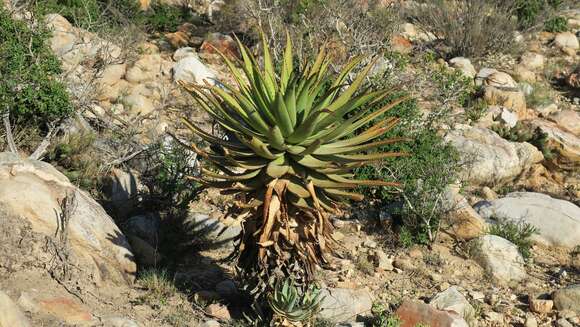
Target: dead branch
pixel 9 135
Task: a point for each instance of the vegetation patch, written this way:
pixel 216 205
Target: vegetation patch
pixel 30 90
pixel 458 25
pixel 519 233
pixel 106 16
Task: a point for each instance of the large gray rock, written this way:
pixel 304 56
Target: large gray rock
pixel 557 221
pixel 568 298
pixel 341 304
pixel 33 192
pixel 500 258
pixel 489 159
pixel 452 300
pixel 10 314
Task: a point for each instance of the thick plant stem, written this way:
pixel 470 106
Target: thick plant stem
pixel 9 136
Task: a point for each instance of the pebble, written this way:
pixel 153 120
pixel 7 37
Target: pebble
pixel 541 306
pixel 530 321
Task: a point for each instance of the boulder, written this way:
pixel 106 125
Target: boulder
pixel 565 145
pixel 464 65
pixel 566 40
pixel 568 298
pixel 500 258
pixel 10 314
pixel 489 159
pixel 415 313
pixel 465 223
pixel 191 70
pixel 557 221
pixel 452 300
pixel 37 195
pixel 341 304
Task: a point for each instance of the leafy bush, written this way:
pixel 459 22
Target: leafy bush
pixel 105 15
pixel 424 175
pixel 518 233
pixel 556 24
pixel 29 71
pixel 382 317
pixel 469 28
pixel 522 133
pixel 531 12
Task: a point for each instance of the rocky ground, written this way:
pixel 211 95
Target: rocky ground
pixel 66 261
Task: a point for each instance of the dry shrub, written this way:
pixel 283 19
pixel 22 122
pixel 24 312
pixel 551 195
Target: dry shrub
pixel 345 27
pixel 469 28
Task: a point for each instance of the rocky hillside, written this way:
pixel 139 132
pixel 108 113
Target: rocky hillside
pixel 101 226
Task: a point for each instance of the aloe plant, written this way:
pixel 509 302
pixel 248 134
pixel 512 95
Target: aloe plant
pixel 298 132
pixel 291 307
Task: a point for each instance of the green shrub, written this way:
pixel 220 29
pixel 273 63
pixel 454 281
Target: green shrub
pixel 29 71
pixel 518 233
pixel 469 28
pixel 556 24
pixel 106 16
pixel 423 175
pixel 382 317
pixel 531 12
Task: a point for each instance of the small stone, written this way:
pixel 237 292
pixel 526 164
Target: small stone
pixel 210 323
pixel 568 298
pixel 491 299
pixel 464 65
pixel 541 306
pixel 219 311
pixel 567 40
pixel 370 244
pixel 530 321
pixel 414 313
pixel 382 261
pixel 508 118
pixel 404 264
pixel 477 296
pixel 416 253
pixel 494 316
pixel 563 323
pixel 532 60
pixel 547 109
pixel 488 194
pixel 452 300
